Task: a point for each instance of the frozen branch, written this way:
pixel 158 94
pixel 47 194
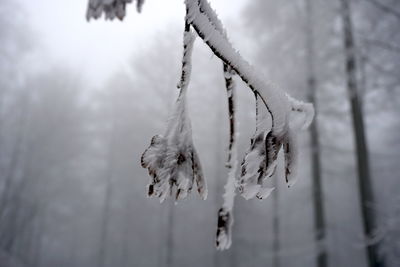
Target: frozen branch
pixel 172 160
pixel 225 213
pixel 273 98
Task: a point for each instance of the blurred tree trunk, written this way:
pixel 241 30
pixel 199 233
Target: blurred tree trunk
pixel 364 179
pixel 37 241
pixel 319 213
pixel 16 154
pixel 11 208
pixel 105 220
pixel 170 235
pixel 276 229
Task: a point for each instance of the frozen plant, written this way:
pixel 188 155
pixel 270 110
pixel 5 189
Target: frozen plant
pixel 260 161
pixel 171 159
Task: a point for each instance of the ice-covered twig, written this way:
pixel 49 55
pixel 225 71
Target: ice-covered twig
pixel 276 102
pixel 273 98
pixel 172 160
pixel 225 213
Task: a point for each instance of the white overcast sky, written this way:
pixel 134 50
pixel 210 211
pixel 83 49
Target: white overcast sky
pixel 100 47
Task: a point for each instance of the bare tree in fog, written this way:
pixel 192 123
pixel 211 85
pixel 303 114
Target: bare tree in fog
pixel 72 191
pixel 14 110
pixel 318 200
pixel 316 54
pixel 276 226
pixel 376 38
pixel 122 133
pixel 46 144
pixel 108 188
pixel 367 198
pixel 283 32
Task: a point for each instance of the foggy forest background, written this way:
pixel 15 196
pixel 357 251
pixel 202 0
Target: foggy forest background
pixel 72 191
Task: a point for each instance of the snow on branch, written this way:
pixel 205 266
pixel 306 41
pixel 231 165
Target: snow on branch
pixel 225 213
pixel 172 160
pixel 273 98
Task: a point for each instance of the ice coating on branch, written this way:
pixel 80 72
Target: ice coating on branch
pixel 111 8
pixel 225 213
pixel 261 158
pixel 260 161
pixel 172 160
pixel 272 97
pixel 212 16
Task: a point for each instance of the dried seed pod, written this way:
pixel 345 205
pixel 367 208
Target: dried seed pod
pixel 172 160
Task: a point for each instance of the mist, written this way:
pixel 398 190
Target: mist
pixel 80 101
